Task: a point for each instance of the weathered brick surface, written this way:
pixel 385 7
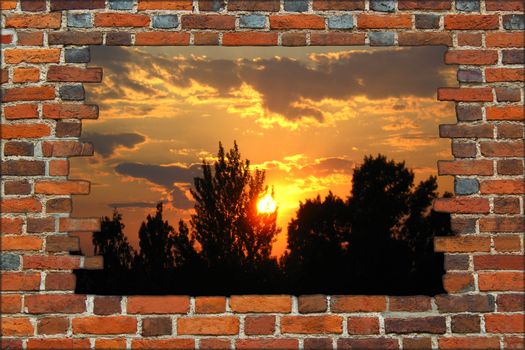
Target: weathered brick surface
pixel 44 68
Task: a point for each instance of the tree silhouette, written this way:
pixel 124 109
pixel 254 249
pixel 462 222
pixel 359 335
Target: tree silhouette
pixel 112 244
pixel 234 238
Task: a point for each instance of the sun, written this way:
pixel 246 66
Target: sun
pixel 266 204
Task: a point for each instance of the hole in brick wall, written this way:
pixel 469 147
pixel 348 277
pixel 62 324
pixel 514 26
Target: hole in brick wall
pixel 357 127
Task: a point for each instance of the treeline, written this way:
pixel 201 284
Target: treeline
pixel 379 240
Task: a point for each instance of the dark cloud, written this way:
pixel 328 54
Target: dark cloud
pixel 107 144
pixel 134 205
pixel 170 177
pixel 283 82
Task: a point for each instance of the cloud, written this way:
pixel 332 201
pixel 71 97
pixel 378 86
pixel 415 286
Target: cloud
pixel 283 84
pixel 108 144
pixel 176 179
pixel 134 204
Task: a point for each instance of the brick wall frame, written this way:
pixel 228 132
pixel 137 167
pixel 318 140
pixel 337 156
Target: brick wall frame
pixel 44 64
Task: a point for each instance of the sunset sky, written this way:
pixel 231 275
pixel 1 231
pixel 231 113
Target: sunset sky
pixel 307 116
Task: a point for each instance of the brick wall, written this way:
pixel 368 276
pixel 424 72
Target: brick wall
pixel 44 64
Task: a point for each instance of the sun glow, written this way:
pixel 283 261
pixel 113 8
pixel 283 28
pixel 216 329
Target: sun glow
pixel 267 204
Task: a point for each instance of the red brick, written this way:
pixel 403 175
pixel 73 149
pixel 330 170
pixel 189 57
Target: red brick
pixel 58 205
pixel 52 325
pixel 259 325
pixel 253 5
pixel 460 244
pixel 328 324
pixel 499 262
pixel 55 303
pixel 358 303
pixel 107 19
pixel 16 326
pixel 79 224
pixel 43 262
pixel 74 74
pixel 456 282
pixel 62 187
pixel 210 305
pixel 58 343
pixel 410 303
pixel 333 5
pixel 110 344
pixel 8 4
pixel 501 281
pixel 58 167
pixel 23 167
pixel 510 302
pixel 471 22
pixel 367 343
pixel 10 304
pixel 60 281
pixel 18 281
pixel 21 111
pixel 105 325
pixel 206 38
pixel 66 149
pixel 30 38
pixel 214 343
pixel 15 56
pixel 249 39
pixel 493 75
pixel 38 93
pixel 363 325
pixel 155 326
pixel 22 187
pixel 465 303
pixel 514 342
pixel 496 323
pixel 508 5
pixel 312 303
pixel 470 39
pixel 502 149
pixel 67 129
pixel 39 21
pixel 400 21
pixel 471 57
pixel 463 131
pixel 503 39
pixel 465 94
pixel 208 22
pixel 505 94
pixel 158 304
pixel 501 224
pixel 463 205
pixel 293 39
pixel 57 5
pixel 424 38
pixel 507 243
pixel 434 324
pixel 26 75
pixel 9 226
pixel 465 324
pixel 424 5
pixel 75 38
pixel 168 344
pixel 106 305
pixel 20 205
pixel 33 5
pixel 259 303
pixel 266 343
pixel 225 325
pixel 506 205
pixel 465 167
pixel 162 38
pixel 417 343
pixel 337 39
pixel 165 5
pixel 505 113
pixel 502 187
pixel 297 22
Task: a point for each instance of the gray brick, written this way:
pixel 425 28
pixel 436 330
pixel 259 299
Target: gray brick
pixel 252 21
pixel 71 92
pixel 467 5
pixel 341 22
pixel 470 76
pixel 77 55
pixel 381 38
pixel 383 5
pixel 514 22
pixel 296 5
pixel 165 21
pixel 466 186
pixel 121 4
pixel 9 262
pixel 427 21
pixel 79 20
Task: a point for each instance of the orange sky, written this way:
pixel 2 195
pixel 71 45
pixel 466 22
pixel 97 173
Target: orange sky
pixel 305 115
